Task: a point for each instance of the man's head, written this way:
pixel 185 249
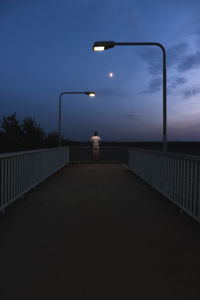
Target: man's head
pixel 95 133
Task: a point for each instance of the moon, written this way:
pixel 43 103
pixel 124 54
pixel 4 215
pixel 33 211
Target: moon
pixel 111 74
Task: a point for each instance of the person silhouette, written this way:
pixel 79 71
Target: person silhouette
pixel 95 141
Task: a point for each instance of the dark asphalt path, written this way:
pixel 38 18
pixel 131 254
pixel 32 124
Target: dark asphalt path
pixel 96 231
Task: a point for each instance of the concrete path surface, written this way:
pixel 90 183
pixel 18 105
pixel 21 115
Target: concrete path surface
pixel 96 231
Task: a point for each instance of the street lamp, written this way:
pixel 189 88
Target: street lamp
pixel 88 93
pixel 101 46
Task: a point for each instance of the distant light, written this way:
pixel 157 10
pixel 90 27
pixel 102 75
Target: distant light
pixel 92 94
pixel 99 48
pixel 111 74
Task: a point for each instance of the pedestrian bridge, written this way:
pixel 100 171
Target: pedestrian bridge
pixel 110 230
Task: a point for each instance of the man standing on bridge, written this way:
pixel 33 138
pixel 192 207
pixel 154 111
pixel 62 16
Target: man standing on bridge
pixel 95 140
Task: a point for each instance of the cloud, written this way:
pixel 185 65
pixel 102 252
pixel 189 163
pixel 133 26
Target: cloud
pixel 153 57
pixel 176 82
pixel 112 93
pixel 190 62
pixel 198 36
pixel 176 54
pixel 191 92
pixel 174 57
pixel 185 129
pixel 130 116
pixel 154 85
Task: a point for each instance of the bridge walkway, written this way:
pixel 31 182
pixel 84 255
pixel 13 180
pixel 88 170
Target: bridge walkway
pixel 96 231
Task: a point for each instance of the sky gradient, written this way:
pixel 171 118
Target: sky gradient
pixel 46 48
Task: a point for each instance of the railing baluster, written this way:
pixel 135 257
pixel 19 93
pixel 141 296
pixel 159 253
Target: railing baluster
pixel 106 154
pixel 21 171
pixel 191 184
pixel 195 189
pixel 179 176
pixel 181 184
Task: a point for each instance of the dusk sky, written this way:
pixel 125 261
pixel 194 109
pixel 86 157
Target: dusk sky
pixel 46 49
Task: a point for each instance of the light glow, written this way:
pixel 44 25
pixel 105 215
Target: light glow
pixel 111 74
pixel 92 94
pixel 99 48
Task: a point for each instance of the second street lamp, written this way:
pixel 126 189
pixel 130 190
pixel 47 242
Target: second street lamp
pixel 88 93
pixel 101 46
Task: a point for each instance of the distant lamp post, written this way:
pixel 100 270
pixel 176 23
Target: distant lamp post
pixel 101 46
pixel 88 93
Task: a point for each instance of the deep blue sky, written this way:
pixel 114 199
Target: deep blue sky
pixel 46 48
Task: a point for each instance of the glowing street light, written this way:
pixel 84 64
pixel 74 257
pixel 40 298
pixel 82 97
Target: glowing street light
pixel 101 46
pixel 88 93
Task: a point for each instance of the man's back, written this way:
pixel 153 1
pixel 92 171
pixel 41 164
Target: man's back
pixel 95 139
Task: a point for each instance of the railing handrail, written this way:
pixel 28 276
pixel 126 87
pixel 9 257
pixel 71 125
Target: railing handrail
pixel 86 146
pixel 2 155
pixel 170 154
pixel 101 147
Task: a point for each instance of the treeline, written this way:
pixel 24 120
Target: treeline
pixel 22 135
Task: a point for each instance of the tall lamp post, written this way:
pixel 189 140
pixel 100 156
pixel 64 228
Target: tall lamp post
pixel 101 46
pixel 91 94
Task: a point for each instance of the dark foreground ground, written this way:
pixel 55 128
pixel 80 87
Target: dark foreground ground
pixel 96 231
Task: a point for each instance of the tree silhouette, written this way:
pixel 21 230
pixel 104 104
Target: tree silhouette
pixel 11 125
pixel 25 135
pixel 16 136
pixel 11 136
pixel 33 134
pixel 52 139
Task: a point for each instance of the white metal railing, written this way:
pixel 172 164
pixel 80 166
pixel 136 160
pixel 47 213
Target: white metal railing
pixel 176 176
pixel 106 154
pixel 21 171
